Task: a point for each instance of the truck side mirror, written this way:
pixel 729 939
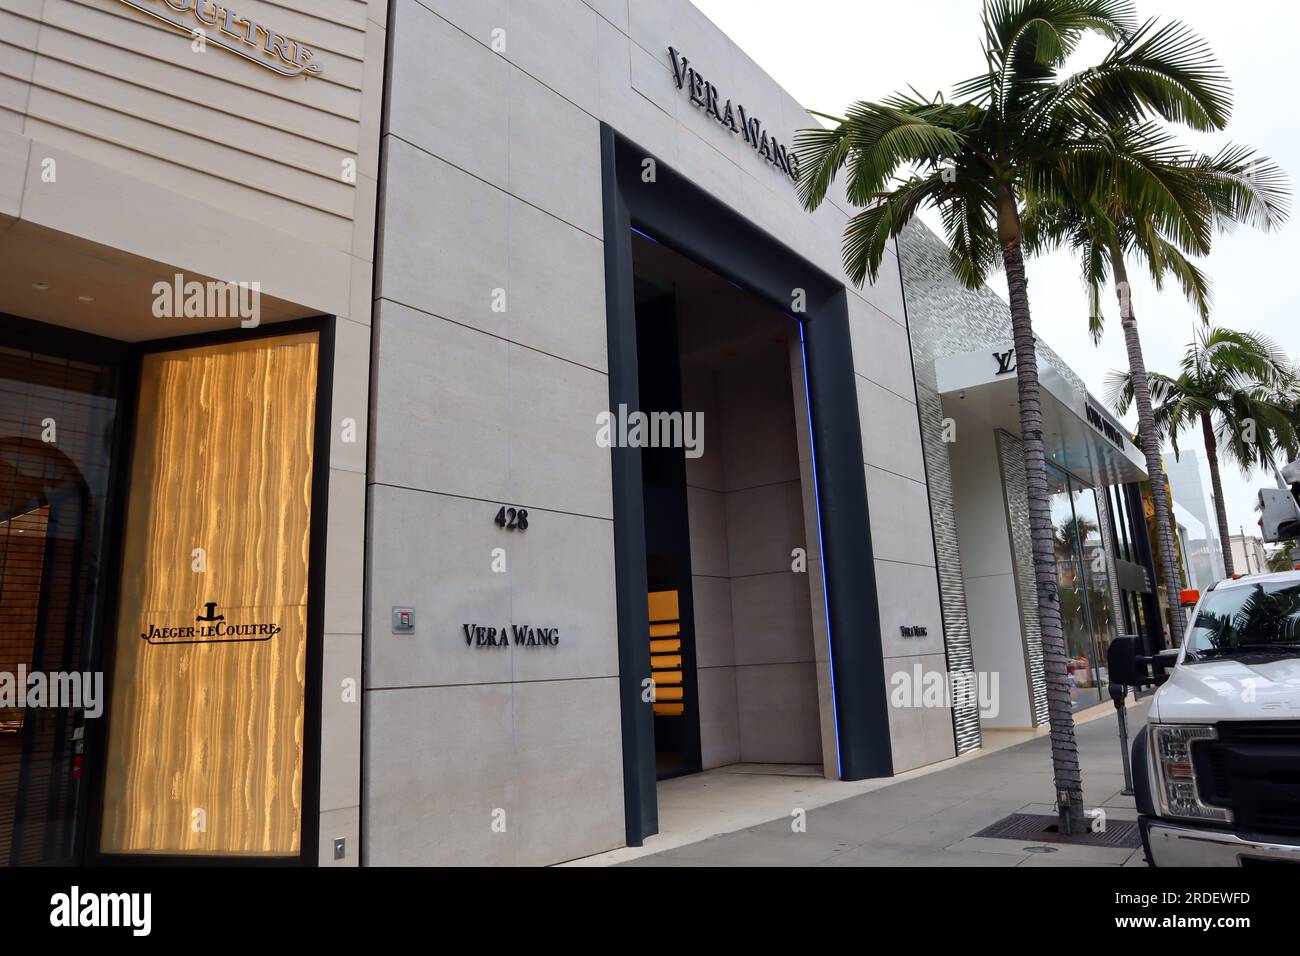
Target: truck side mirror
pixel 1165 660
pixel 1121 661
pixel 1124 665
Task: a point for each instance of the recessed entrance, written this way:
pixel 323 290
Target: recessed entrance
pixel 732 542
pixel 852 695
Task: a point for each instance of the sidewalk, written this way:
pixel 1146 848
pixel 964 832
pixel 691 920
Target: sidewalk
pixel 927 819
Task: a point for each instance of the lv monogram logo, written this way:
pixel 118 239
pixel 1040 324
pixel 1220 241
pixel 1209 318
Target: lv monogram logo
pixel 1006 361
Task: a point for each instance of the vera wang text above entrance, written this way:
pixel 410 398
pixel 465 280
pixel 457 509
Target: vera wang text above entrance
pixel 735 118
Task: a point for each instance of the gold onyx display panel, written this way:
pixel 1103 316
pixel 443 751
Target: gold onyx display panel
pixel 205 751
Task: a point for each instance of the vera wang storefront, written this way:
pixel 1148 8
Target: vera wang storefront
pixel 612 235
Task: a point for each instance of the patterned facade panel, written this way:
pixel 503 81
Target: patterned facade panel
pixel 1015 491
pixel 952 586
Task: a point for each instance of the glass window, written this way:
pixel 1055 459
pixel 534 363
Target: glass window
pixel 1096 576
pixel 1072 590
pixel 1262 618
pixel 57 422
pixel 1083 584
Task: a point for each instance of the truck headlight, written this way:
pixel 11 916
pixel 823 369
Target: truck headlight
pixel 1172 752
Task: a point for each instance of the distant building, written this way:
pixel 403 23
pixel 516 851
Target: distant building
pixel 1203 550
pixel 1248 554
pixel 1200 557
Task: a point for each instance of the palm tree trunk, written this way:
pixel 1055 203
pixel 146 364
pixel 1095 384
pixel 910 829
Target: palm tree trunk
pixel 1151 447
pixel 1220 510
pixel 1065 752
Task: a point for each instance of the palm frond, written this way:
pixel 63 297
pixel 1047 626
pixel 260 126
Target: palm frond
pixel 1243 186
pixel 1165 70
pixel 874 141
pixel 1245 384
pixel 1164 257
pixel 867 234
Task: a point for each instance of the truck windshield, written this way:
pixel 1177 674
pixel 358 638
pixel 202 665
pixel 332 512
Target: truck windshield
pixel 1263 617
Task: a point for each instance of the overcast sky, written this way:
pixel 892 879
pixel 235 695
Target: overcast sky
pixel 828 53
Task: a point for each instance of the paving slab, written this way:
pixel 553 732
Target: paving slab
pixel 926 819
pixel 1114 856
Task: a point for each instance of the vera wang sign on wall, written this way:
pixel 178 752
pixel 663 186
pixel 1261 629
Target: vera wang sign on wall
pixel 735 118
pixel 211 22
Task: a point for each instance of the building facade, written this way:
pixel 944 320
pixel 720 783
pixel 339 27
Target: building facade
pixel 187 230
pixel 965 372
pixel 1249 556
pixel 553 175
pixel 439 422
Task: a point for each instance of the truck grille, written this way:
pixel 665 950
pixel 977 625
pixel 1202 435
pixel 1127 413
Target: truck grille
pixel 1254 770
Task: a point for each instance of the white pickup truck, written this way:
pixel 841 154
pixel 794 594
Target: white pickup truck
pixel 1217 766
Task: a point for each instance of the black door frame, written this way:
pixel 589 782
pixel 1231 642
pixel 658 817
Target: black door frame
pixel 674 211
pixel 126 359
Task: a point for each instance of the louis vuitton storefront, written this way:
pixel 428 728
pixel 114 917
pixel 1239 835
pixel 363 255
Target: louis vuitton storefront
pixel 966 383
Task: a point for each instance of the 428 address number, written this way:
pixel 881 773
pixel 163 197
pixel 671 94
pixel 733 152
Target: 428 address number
pixel 512 519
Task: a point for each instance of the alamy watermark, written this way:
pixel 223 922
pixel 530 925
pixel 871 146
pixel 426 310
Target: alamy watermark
pixel 181 299
pixel 53 689
pixel 624 429
pixel 958 690
pixel 75 908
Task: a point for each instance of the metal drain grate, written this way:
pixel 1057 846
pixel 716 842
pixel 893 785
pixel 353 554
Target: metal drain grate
pixel 1041 828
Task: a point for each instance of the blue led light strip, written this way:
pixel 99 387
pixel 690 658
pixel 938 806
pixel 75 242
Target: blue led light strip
pixel 821 550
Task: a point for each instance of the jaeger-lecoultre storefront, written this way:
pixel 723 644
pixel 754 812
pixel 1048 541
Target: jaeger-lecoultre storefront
pixel 187 203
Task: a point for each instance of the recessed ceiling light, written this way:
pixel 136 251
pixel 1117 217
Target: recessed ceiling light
pixel 40 286
pixel 85 298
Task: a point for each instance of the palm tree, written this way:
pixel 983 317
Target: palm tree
pixel 1281 559
pixel 1145 198
pixel 1237 387
pixel 1072 535
pixel 1013 130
